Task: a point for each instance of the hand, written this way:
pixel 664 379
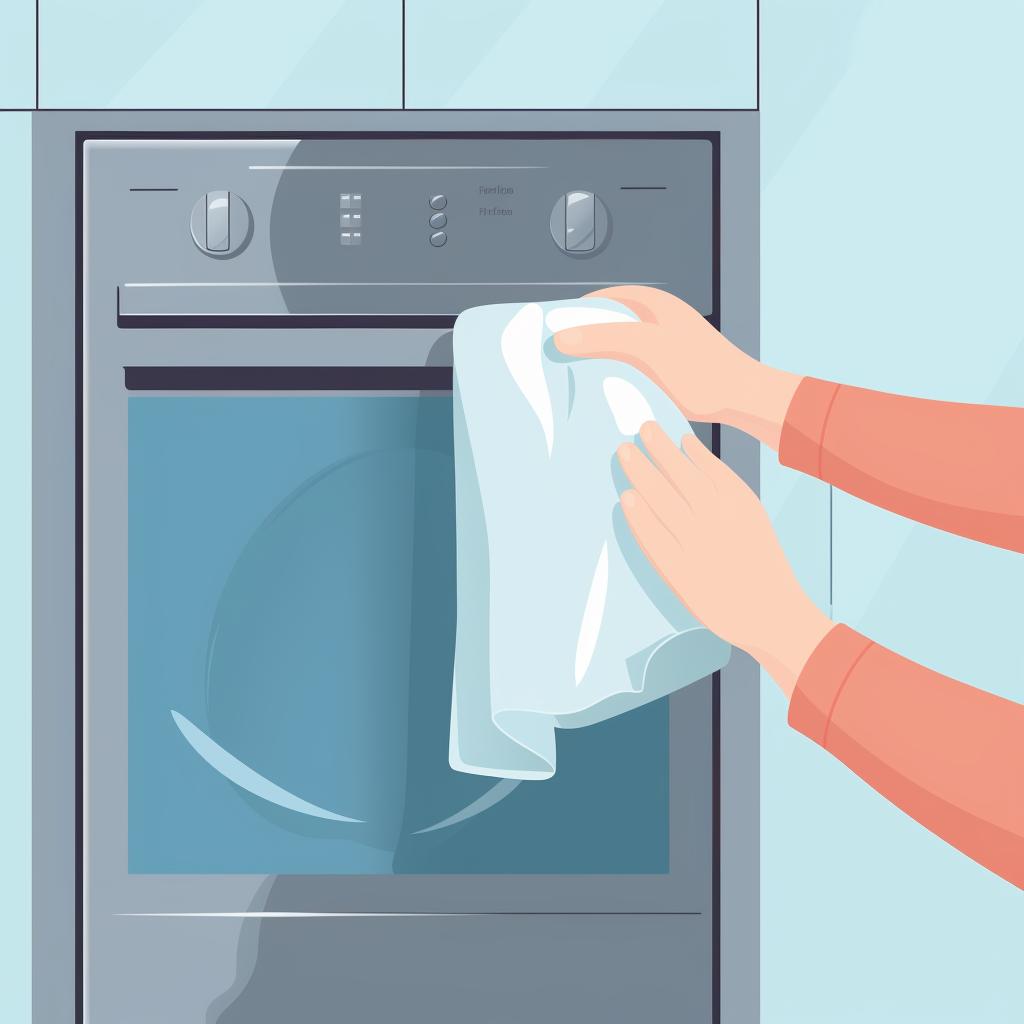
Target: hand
pixel 708 377
pixel 709 537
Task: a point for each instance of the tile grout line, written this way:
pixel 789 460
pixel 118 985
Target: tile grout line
pixel 377 110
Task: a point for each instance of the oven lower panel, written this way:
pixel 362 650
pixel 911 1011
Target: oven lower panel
pixel 502 969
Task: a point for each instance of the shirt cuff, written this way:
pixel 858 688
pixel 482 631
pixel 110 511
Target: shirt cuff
pixel 803 431
pixel 823 677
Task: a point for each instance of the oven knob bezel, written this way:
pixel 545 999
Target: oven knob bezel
pixel 228 215
pixel 592 223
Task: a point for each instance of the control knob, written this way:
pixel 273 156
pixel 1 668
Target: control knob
pixel 579 223
pixel 221 224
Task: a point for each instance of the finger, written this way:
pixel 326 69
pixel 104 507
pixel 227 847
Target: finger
pixel 650 304
pixel 687 479
pixel 665 501
pixel 654 539
pixel 702 456
pixel 625 341
pixel 720 475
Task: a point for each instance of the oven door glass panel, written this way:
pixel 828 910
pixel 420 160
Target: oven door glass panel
pixel 291 630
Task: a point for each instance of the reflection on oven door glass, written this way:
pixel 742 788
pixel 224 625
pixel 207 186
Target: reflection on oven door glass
pixel 291 630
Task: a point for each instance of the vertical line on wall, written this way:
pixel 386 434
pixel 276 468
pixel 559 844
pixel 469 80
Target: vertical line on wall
pixel 403 54
pixel 757 56
pixel 831 562
pixel 37 54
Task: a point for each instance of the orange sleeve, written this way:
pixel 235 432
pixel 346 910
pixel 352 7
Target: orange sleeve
pixel 950 755
pixel 958 467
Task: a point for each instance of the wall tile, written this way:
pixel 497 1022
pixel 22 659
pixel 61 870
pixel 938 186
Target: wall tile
pixel 892 217
pixel 581 53
pixel 18 54
pixel 220 53
pixel 16 575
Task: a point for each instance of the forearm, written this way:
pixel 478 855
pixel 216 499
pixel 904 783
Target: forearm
pixel 954 466
pixel 951 756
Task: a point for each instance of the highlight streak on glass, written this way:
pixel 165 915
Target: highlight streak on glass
pixel 242 775
pixel 495 794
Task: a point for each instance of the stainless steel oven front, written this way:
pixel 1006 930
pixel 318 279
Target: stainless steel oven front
pixel 269 826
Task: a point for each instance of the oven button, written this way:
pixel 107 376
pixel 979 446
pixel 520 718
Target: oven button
pixel 579 223
pixel 438 238
pixel 221 224
pixel 438 202
pixel 438 220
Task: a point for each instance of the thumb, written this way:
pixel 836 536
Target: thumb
pixel 606 341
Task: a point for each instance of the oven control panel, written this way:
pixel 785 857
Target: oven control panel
pixel 419 226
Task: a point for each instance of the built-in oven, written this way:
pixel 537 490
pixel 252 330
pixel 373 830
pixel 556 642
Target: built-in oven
pixel 269 826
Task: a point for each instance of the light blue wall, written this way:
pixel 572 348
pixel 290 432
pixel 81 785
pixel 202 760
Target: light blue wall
pixel 18 54
pixel 15 569
pixel 892 165
pixel 348 53
pixel 582 53
pixel 220 53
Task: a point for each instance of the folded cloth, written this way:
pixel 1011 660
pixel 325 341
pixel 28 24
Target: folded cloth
pixel 561 620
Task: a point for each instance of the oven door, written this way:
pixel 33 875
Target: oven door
pixel 269 616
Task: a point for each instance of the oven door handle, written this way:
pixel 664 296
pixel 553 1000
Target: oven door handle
pixel 288 378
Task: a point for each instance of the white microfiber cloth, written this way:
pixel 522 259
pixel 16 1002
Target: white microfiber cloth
pixel 561 620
